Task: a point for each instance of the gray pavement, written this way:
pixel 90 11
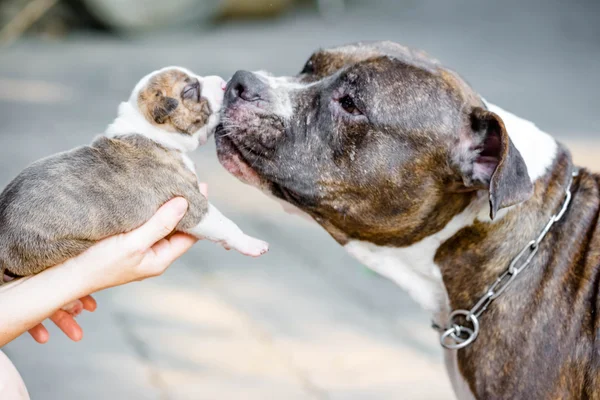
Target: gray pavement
pixel 305 321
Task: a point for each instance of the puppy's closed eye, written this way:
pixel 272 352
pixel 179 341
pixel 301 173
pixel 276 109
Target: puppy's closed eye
pixel 191 91
pixel 163 108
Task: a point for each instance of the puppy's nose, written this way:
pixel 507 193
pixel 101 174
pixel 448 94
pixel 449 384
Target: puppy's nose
pixel 246 86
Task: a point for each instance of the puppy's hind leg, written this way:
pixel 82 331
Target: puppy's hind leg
pixel 215 227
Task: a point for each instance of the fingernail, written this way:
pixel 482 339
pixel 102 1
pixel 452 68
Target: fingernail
pixel 180 206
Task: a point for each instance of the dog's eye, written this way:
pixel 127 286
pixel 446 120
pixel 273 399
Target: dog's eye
pixel 349 106
pixel 309 68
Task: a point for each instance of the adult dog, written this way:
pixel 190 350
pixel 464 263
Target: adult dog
pixel 464 205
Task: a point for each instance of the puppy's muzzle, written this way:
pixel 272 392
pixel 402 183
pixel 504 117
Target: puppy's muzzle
pixel 246 86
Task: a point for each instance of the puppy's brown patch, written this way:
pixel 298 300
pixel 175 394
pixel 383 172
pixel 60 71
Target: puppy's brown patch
pixel 173 100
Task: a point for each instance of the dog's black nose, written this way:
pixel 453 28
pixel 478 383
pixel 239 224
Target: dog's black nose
pixel 246 86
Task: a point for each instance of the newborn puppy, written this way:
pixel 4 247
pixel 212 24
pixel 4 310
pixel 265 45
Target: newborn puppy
pixel 61 205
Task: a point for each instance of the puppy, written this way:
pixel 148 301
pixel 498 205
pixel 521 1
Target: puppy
pixel 61 205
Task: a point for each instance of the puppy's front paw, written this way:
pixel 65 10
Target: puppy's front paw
pixel 74 308
pixel 252 247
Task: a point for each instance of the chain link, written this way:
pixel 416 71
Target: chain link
pixel 456 336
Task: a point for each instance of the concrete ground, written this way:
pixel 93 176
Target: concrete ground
pixel 306 321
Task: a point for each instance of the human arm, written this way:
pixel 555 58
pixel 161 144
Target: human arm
pixel 139 254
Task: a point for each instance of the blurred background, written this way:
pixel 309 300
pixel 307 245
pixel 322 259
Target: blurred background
pixel 305 321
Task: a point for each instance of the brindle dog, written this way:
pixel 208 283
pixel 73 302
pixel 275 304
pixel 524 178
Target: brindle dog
pixel 405 165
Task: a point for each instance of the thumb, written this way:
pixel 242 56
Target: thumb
pixel 160 225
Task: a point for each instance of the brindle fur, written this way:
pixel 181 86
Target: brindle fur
pixel 539 340
pixel 61 205
pixel 393 178
pixel 163 104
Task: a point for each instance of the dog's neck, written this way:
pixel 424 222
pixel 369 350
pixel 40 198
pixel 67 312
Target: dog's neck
pixel 415 268
pixel 130 120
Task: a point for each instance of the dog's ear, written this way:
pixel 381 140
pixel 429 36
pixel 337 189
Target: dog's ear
pixel 162 108
pixel 489 160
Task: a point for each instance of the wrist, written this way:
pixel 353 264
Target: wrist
pixel 74 278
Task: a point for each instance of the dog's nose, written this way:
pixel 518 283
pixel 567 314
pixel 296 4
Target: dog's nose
pixel 246 86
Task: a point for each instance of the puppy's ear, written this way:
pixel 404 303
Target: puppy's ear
pixel 163 108
pixel 489 160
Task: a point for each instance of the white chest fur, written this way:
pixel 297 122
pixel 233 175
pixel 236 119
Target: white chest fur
pixel 413 267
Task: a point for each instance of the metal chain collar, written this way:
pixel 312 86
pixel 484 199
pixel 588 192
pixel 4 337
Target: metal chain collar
pixel 457 336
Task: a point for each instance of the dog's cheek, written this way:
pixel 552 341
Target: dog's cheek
pixel 346 141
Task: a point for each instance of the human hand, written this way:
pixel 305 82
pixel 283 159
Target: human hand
pixel 137 255
pixel 65 321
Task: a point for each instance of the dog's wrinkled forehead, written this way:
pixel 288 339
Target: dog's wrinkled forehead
pixel 328 61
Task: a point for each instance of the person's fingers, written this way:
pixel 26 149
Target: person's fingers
pixel 159 226
pixel 39 333
pixel 173 248
pixel 166 251
pixel 65 322
pixel 68 325
pixel 204 189
pixel 89 303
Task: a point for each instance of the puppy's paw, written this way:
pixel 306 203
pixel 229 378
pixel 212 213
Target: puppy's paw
pixel 252 247
pixel 74 308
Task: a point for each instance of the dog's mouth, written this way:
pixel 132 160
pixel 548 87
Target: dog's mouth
pixel 247 141
pixel 235 159
pixel 232 159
